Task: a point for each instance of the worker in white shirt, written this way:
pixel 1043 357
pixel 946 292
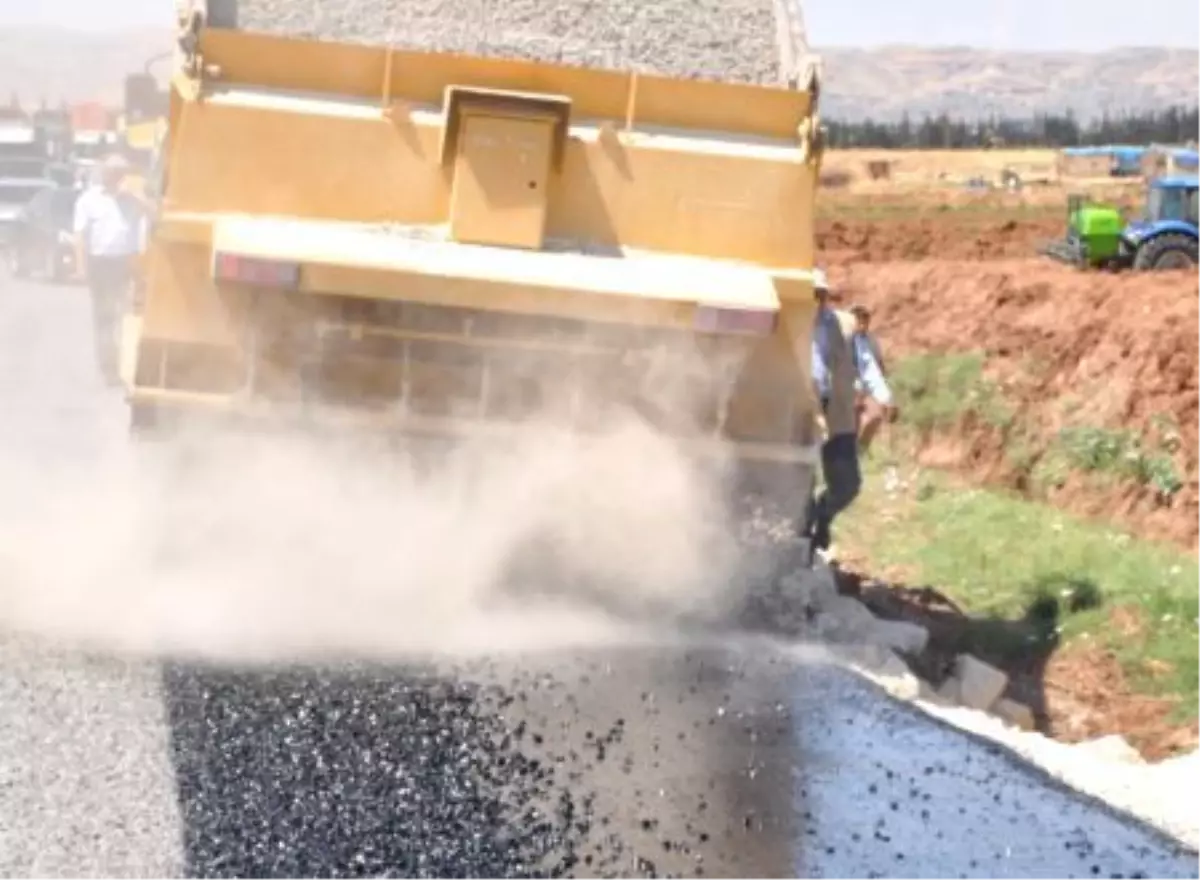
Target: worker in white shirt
pixel 107 240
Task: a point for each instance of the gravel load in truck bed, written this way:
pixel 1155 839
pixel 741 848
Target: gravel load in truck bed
pixel 743 41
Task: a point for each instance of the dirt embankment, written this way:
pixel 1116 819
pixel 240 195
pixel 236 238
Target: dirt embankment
pixel 1063 349
pixel 939 236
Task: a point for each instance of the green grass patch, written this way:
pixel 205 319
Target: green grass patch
pixel 1120 455
pixel 1010 558
pixel 938 391
pixel 1123 454
pixel 1004 557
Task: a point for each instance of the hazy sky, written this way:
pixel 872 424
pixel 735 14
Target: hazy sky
pixel 998 24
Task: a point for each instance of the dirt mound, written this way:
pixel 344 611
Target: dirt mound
pixel 1064 350
pixel 951 235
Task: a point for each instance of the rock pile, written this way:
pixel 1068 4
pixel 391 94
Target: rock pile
pixel 876 648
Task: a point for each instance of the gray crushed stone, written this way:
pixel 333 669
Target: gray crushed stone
pixel 86 781
pixel 751 41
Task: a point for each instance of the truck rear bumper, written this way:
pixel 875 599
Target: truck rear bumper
pixel 155 406
pixel 419 264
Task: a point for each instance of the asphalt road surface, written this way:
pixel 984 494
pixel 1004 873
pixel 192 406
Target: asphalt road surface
pixel 718 760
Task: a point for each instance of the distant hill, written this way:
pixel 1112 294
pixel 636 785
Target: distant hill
pixel 883 83
pixel 966 83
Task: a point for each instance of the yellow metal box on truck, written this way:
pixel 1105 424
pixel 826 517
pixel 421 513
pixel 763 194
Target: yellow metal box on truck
pixel 452 244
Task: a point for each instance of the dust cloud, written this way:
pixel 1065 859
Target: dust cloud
pixel 287 547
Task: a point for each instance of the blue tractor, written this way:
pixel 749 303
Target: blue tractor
pixel 1165 238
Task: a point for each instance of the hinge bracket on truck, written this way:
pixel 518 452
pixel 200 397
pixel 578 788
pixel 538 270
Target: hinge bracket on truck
pixel 811 138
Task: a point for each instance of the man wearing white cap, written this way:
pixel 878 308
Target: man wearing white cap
pixel 107 240
pixel 837 370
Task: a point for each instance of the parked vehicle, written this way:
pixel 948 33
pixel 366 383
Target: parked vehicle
pixel 41 243
pixel 15 194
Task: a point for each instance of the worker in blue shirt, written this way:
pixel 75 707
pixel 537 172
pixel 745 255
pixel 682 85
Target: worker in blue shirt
pixel 875 397
pixel 841 370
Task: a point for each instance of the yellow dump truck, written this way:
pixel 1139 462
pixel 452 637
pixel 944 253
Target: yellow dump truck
pixel 450 244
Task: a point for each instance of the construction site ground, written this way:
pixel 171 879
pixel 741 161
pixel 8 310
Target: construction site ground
pixel 1036 503
pixel 146 732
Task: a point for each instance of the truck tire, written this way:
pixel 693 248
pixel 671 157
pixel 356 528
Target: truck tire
pixel 17 264
pixel 144 421
pixel 1170 251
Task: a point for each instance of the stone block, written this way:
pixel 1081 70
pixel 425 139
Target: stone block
pixel 927 693
pixel 980 684
pixel 900 635
pixel 815 586
pixel 844 619
pixel 1014 713
pixel 850 611
pixel 950 692
pixel 863 655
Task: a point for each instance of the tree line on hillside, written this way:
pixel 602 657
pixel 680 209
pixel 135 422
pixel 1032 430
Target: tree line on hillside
pixel 1174 125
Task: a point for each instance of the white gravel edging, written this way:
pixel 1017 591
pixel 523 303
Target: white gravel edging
pixel 1157 794
pixel 1153 793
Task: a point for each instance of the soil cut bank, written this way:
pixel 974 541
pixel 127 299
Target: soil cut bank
pixel 947 236
pixel 1071 366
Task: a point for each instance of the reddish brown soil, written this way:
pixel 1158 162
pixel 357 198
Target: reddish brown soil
pixel 1077 693
pixel 951 235
pixel 1086 696
pixel 1066 348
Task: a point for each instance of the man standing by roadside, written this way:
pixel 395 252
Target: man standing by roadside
pixel 107 239
pixel 875 397
pixel 837 371
pixel 862 329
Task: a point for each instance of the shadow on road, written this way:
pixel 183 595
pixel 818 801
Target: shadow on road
pixel 1021 647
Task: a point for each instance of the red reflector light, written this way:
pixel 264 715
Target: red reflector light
pixel 255 271
pixel 737 322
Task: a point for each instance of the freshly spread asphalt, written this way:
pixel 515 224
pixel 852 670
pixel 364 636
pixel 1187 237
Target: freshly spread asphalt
pixel 674 761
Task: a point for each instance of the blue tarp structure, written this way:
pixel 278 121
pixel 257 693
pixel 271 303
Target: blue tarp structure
pixel 1189 159
pixel 1125 159
pixel 1129 158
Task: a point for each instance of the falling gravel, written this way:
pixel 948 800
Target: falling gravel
pixel 752 41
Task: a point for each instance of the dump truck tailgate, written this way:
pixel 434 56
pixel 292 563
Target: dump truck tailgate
pixel 336 256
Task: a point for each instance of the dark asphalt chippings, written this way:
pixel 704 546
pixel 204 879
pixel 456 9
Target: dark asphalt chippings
pixel 324 776
pixel 415 772
pixel 634 763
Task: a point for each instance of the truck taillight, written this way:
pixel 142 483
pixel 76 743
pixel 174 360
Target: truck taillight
pixel 736 322
pixel 255 271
